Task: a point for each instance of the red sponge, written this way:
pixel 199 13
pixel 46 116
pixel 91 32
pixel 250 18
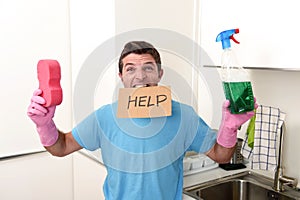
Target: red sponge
pixel 49 81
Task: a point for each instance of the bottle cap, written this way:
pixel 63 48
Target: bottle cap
pixel 226 36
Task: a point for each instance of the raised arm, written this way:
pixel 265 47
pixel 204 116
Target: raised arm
pixel 227 134
pixel 55 142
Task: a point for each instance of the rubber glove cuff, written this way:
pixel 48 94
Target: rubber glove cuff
pixel 48 133
pixel 227 135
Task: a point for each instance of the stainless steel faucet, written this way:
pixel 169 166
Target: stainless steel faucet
pixel 279 179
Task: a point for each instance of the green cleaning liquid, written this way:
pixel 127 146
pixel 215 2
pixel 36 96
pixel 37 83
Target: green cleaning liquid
pixel 240 95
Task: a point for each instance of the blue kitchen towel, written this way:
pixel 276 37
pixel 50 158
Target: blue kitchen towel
pixel 267 126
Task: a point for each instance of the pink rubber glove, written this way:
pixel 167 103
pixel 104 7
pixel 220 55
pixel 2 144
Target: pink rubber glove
pixel 230 123
pixel 42 117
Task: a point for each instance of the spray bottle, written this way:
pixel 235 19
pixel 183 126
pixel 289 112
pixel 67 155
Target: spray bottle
pixel 236 82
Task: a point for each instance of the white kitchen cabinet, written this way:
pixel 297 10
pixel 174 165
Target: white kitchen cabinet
pixel 269 31
pixel 37 176
pixel 89 176
pixel 30 31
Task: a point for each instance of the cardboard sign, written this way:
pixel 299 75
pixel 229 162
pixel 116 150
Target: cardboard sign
pixel 144 102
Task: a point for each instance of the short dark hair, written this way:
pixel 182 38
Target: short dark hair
pixel 139 47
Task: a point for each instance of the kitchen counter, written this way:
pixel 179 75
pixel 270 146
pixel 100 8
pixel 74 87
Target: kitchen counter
pixel 216 173
pixel 209 175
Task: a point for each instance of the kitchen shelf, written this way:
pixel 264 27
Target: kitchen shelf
pixel 260 68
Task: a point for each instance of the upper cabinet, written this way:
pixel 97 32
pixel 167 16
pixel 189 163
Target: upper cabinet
pixel 269 33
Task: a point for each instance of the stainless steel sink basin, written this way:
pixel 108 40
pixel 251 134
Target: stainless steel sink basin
pixel 243 186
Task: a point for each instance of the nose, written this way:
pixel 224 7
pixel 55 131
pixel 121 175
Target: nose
pixel 140 74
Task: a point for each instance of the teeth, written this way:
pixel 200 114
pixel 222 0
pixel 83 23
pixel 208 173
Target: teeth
pixel 139 86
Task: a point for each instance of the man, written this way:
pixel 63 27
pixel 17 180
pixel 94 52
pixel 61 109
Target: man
pixel 143 156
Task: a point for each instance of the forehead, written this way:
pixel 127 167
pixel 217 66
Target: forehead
pixel 138 58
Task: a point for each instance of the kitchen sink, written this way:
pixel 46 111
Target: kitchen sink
pixel 242 186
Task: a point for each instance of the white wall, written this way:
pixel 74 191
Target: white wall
pixel 92 24
pixel 182 18
pixel 281 89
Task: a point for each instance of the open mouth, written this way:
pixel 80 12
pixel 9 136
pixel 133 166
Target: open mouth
pixel 142 85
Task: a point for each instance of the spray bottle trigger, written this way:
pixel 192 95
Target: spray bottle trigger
pixel 233 39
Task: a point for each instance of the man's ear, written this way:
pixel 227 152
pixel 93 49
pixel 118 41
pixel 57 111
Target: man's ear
pixel 121 76
pixel 160 73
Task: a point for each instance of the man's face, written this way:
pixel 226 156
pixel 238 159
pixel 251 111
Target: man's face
pixel 140 70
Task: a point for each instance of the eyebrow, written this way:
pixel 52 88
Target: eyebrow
pixel 146 63
pixel 128 64
pixel 150 62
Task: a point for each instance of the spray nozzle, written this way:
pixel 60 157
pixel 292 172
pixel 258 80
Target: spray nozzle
pixel 226 36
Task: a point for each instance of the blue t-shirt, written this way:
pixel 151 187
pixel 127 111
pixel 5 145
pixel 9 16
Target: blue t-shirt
pixel 143 156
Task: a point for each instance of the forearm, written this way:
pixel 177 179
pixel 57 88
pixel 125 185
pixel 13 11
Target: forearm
pixel 64 145
pixel 221 154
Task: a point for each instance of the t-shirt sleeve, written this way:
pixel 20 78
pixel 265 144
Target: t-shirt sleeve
pixel 87 133
pixel 202 136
